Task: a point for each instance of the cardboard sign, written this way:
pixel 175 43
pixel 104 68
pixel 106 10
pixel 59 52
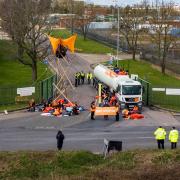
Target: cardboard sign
pixel 101 111
pixel 27 91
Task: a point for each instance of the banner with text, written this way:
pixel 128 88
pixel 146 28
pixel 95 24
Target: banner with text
pixel 100 111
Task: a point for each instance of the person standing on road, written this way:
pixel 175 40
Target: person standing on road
pixel 160 135
pixel 82 77
pixel 60 139
pixel 173 137
pixel 76 79
pixel 93 108
pixel 79 78
pixel 117 112
pixel 89 76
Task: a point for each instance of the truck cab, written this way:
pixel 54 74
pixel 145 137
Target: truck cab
pixel 129 93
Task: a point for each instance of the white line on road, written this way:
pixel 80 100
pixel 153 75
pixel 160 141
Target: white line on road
pixel 90 139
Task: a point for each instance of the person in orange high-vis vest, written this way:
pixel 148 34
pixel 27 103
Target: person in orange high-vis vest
pixel 125 113
pixel 57 112
pixel 93 108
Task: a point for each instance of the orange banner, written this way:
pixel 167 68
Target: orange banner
pixel 69 42
pixel 100 111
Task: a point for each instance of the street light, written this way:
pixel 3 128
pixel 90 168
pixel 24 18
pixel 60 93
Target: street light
pixel 117 48
pixel 118 38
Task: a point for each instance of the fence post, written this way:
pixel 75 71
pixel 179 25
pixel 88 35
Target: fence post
pixel 147 94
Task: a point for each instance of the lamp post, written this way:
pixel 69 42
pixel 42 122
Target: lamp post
pixel 117 40
pixel 117 48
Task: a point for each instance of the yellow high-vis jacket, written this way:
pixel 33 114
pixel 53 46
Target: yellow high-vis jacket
pixel 173 135
pixel 160 134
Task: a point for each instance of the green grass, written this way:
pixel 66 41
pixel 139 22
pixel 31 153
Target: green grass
pixel 12 72
pixel 87 46
pixel 157 79
pixel 137 164
pixel 146 72
pixel 12 107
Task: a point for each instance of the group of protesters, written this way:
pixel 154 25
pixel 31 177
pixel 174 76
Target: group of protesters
pixel 56 107
pixel 108 100
pixel 120 71
pixel 81 76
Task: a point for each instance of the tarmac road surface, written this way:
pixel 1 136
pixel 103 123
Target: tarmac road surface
pixel 31 131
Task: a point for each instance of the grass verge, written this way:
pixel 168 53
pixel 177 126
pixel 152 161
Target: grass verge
pixel 157 79
pixel 12 72
pixel 137 164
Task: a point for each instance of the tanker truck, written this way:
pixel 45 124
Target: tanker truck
pixel 127 91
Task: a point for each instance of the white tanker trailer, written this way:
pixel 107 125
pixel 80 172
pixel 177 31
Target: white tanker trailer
pixel 127 91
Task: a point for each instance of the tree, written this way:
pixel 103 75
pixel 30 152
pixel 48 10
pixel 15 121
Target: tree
pixel 83 21
pixel 84 17
pixel 25 21
pixel 130 21
pixel 161 26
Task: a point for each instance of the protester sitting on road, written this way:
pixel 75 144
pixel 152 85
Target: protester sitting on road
pixel 135 110
pixel 75 109
pixel 32 105
pixel 125 113
pixel 57 112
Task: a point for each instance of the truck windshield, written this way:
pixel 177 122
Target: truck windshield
pixel 131 90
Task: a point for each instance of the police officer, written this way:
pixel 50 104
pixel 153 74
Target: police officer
pixel 173 137
pixel 79 78
pixel 82 77
pixel 89 77
pixel 76 79
pixel 160 135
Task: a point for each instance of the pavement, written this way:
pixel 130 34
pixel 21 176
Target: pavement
pixel 31 131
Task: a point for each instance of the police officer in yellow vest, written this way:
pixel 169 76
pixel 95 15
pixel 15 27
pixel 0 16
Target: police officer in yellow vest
pixel 160 135
pixel 89 77
pixel 76 79
pixel 173 137
pixel 82 77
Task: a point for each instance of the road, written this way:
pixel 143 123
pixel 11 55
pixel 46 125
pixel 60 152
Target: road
pixel 31 131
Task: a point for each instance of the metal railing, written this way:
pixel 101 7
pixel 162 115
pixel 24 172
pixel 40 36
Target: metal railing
pixel 43 90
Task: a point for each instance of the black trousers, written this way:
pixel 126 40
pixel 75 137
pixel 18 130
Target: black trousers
pixel 82 80
pixel 117 117
pixel 173 145
pixel 59 144
pixel 160 144
pixel 92 115
pixel 79 80
pixel 76 82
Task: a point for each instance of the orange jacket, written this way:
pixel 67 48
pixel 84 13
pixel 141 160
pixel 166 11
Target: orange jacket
pixel 93 108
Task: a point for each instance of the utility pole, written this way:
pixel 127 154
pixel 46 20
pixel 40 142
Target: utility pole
pixel 117 40
pixel 72 16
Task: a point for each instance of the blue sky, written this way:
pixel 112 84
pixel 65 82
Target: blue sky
pixel 123 2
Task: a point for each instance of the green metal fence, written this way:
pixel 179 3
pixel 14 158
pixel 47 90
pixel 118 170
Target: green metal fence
pixel 160 98
pixel 147 92
pixel 43 90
